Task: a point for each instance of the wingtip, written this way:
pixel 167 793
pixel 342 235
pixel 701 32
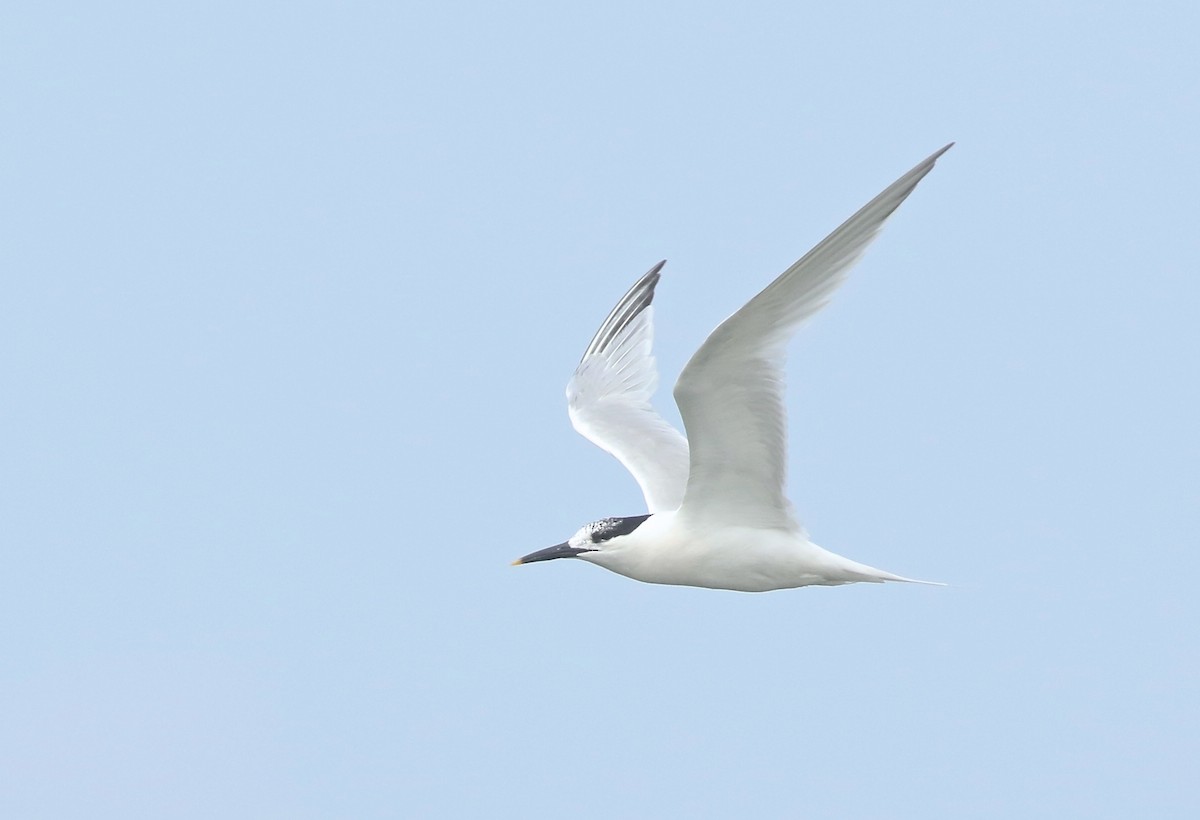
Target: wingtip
pixel 648 281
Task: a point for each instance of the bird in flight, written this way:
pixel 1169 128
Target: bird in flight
pixel 717 514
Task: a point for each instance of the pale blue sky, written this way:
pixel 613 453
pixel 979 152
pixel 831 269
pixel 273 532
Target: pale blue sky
pixel 292 291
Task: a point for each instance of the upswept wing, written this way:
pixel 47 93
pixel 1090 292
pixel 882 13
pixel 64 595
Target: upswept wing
pixel 608 399
pixel 730 394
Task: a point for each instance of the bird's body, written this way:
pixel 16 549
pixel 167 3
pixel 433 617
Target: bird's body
pixel 718 516
pixel 670 549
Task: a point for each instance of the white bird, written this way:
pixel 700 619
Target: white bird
pixel 717 514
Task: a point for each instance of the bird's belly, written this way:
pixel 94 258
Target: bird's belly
pixel 753 561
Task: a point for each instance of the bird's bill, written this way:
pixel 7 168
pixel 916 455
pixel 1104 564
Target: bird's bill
pixel 563 550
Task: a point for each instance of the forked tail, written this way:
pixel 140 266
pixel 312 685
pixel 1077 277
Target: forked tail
pixel 861 572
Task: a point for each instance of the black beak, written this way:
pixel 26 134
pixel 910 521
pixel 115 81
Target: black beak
pixel 563 550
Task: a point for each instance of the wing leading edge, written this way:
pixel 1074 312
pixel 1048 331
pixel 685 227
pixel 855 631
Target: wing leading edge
pixel 730 394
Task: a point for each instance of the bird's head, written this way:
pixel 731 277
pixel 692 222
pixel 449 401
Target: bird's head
pixel 593 542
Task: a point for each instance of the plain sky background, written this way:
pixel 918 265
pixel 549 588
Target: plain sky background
pixel 291 294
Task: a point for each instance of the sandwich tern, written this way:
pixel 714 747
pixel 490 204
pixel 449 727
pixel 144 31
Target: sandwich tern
pixel 717 515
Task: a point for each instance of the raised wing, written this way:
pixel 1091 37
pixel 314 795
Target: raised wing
pixel 730 394
pixel 608 399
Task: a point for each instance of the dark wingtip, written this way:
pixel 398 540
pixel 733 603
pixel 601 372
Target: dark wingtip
pixel 636 299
